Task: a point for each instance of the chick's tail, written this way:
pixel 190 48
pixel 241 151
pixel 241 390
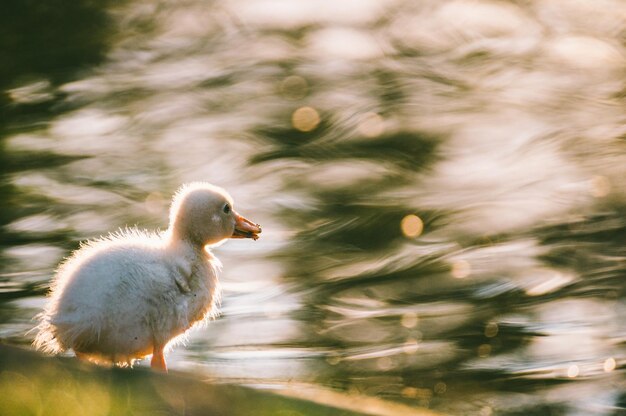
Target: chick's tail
pixel 46 340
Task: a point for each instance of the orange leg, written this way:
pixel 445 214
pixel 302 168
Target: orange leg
pixel 158 360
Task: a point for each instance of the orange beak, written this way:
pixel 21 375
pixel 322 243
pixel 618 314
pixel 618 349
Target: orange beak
pixel 245 228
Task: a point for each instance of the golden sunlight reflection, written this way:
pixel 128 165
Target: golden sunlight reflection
pixel 412 226
pixel 305 119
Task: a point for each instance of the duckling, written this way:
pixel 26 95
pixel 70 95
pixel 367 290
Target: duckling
pixel 130 294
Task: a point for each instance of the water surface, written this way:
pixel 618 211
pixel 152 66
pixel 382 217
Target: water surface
pixel 441 185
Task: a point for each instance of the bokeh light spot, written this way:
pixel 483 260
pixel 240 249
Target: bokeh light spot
pixel 484 350
pixel 409 392
pixel 609 365
pixel 409 320
pixel 412 226
pixel 294 87
pixel 440 387
pixel 491 330
pixel 410 346
pixel 371 125
pixel 461 269
pixel 305 119
pixel 384 363
pixel 417 393
pixel 573 371
pixel 333 359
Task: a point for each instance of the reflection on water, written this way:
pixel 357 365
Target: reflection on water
pixel 441 186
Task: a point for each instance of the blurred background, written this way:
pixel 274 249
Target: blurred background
pixel 441 184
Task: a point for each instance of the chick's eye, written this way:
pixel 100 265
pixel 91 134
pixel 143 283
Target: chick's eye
pixel 227 209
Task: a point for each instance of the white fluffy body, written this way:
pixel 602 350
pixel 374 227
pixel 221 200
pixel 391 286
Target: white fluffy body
pixel 117 297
